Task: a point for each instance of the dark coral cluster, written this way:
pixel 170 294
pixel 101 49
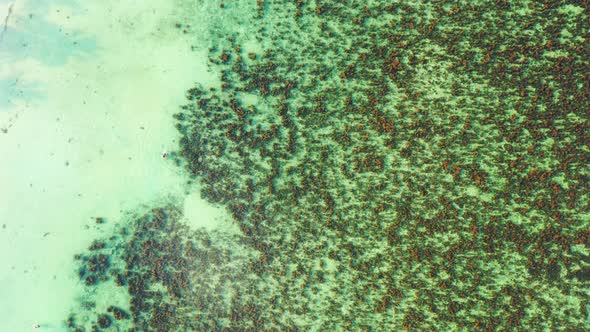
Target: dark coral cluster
pixel 397 165
pixel 176 279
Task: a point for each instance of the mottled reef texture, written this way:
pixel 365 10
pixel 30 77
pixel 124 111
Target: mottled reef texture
pixel 400 166
pixel 175 278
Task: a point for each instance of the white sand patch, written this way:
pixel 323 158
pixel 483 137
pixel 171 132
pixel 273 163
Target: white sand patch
pixel 88 145
pixel 200 214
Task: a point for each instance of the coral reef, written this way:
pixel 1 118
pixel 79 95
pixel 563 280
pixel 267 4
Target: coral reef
pixel 176 278
pixel 394 165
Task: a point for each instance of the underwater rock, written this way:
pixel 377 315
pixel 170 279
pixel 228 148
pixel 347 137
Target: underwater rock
pixel 99 263
pixel 120 279
pixel 118 313
pixel 96 245
pixel 90 280
pixel 104 321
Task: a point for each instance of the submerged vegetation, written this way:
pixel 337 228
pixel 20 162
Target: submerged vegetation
pixel 406 166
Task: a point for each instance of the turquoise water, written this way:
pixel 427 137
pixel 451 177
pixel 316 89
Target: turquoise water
pixel 329 166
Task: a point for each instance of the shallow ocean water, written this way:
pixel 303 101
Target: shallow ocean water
pixel 86 103
pixel 330 165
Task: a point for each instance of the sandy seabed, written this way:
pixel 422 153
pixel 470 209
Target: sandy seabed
pixel 87 92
